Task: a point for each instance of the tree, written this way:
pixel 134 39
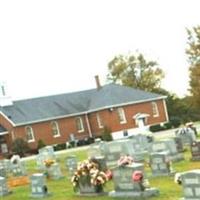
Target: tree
pixel 135 71
pixel 20 146
pixel 193 53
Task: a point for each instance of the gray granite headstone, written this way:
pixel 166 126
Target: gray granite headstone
pixel 96 149
pixel 115 149
pixel 169 146
pixel 71 164
pixel 195 150
pixel 187 135
pixel 54 171
pixel 38 186
pixel 18 169
pixel 124 186
pixel 48 151
pixel 160 164
pixel 191 184
pixel 45 153
pixel 3 187
pixel 179 144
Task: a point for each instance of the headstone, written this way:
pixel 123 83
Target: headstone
pixel 143 140
pixel 45 153
pixel 40 158
pixel 115 149
pixel 48 151
pixel 54 171
pixel 138 148
pixel 169 146
pixel 3 187
pixel 191 183
pixel 195 150
pixel 187 135
pixel 71 164
pixel 160 164
pixel 96 149
pixel 38 186
pixel 125 186
pixel 179 144
pixel 18 169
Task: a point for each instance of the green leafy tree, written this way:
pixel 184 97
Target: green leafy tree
pixel 135 71
pixel 193 53
pixel 20 146
pixel 106 134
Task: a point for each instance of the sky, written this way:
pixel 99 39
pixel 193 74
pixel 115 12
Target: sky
pixel 50 47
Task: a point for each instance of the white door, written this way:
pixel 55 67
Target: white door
pixel 141 123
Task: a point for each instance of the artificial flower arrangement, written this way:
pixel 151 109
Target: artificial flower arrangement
pixel 49 162
pixel 125 160
pixel 88 173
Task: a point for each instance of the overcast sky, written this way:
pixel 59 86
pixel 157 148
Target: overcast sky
pixel 50 47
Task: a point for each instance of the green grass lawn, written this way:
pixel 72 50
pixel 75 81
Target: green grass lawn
pixel 62 189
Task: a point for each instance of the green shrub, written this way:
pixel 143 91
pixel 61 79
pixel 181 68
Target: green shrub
pixel 40 144
pixel 106 134
pixel 60 146
pixel 168 125
pixel 175 121
pixel 155 128
pixel 20 146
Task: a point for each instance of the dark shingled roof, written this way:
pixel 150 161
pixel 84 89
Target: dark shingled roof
pixel 57 106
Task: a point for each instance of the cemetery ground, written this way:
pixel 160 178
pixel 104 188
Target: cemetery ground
pixel 62 189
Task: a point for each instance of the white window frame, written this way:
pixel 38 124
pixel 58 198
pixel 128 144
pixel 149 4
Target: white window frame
pixel 54 124
pixel 121 115
pixel 31 134
pixel 99 121
pixel 155 110
pixel 80 121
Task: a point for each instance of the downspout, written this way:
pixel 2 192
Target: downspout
pixel 88 125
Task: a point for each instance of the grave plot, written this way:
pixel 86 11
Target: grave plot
pixel 38 186
pixel 115 149
pixel 4 187
pixel 71 165
pixel 169 146
pixel 54 172
pixel 45 153
pixel 130 181
pixel 96 152
pixel 88 180
pixel 190 182
pixel 160 164
pixel 195 151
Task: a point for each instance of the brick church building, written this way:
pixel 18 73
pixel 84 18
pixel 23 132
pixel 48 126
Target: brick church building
pixel 78 115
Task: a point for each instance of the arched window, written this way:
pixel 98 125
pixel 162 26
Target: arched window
pixel 121 115
pixel 99 121
pixel 55 129
pixel 79 124
pixel 29 134
pixel 155 109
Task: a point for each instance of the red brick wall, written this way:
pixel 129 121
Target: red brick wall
pixel 43 131
pixel 67 125
pixel 7 125
pixel 110 118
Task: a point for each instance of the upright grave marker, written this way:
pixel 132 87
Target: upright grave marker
pixel 3 187
pixel 195 150
pixel 191 183
pixel 160 164
pixel 71 164
pixel 125 185
pixel 38 186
